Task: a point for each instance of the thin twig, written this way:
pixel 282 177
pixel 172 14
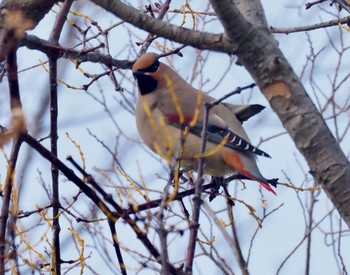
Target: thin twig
pixel 54 38
pixel 309 228
pixel 235 92
pixel 16 107
pixel 5 209
pixel 197 201
pixel 120 212
pixel 156 203
pixel 345 272
pixel 236 245
pixel 56 255
pixel 150 37
pixel 311 4
pixel 344 4
pixel 302 240
pixel 89 55
pixel 117 247
pixel 331 23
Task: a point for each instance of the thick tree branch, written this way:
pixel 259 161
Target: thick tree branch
pixel 197 39
pixel 253 11
pixel 17 16
pixel 344 4
pixel 260 55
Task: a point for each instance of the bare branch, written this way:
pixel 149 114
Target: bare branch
pixel 90 55
pixel 332 23
pixel 200 40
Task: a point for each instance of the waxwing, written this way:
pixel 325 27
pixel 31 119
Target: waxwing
pixel 169 116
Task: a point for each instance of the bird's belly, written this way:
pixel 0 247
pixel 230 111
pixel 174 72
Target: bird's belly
pixel 211 167
pixel 170 143
pixel 213 162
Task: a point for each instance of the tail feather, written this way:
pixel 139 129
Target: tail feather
pixel 267 187
pixel 233 160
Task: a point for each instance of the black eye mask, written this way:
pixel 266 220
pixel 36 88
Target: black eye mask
pixel 152 68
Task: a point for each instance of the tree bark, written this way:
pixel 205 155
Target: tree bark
pixel 18 16
pixel 259 53
pixel 197 39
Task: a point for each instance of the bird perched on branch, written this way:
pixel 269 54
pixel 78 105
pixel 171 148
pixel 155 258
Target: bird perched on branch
pixel 170 115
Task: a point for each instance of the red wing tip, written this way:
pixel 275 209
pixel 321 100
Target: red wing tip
pixel 176 118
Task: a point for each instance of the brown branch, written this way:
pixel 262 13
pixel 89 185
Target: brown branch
pixel 112 216
pixel 56 205
pixel 117 247
pixel 5 209
pixel 156 203
pixel 343 266
pixel 60 20
pixel 313 201
pixel 108 197
pixel 16 107
pixel 35 43
pixel 16 17
pixel 197 198
pixel 23 214
pixel 343 4
pixel 197 39
pixel 150 37
pixel 56 257
pixel 90 179
pixel 54 38
pixel 237 247
pixel 199 183
pixel 311 4
pixel 345 20
pixel 161 230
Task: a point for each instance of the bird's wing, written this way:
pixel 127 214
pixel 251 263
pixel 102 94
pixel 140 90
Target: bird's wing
pixel 217 131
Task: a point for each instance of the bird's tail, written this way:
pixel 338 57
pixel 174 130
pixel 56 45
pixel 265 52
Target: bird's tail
pixel 233 160
pixel 267 186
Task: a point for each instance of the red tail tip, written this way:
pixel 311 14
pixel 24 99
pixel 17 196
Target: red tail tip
pixel 268 187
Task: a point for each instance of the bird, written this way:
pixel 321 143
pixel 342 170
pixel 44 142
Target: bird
pixel 170 115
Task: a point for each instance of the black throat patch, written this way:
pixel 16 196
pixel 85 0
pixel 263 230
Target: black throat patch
pixel 147 84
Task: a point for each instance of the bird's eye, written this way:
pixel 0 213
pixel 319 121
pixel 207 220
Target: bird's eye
pixel 152 68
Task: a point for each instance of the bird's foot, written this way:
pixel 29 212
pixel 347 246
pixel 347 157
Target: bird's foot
pixel 214 191
pixel 217 181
